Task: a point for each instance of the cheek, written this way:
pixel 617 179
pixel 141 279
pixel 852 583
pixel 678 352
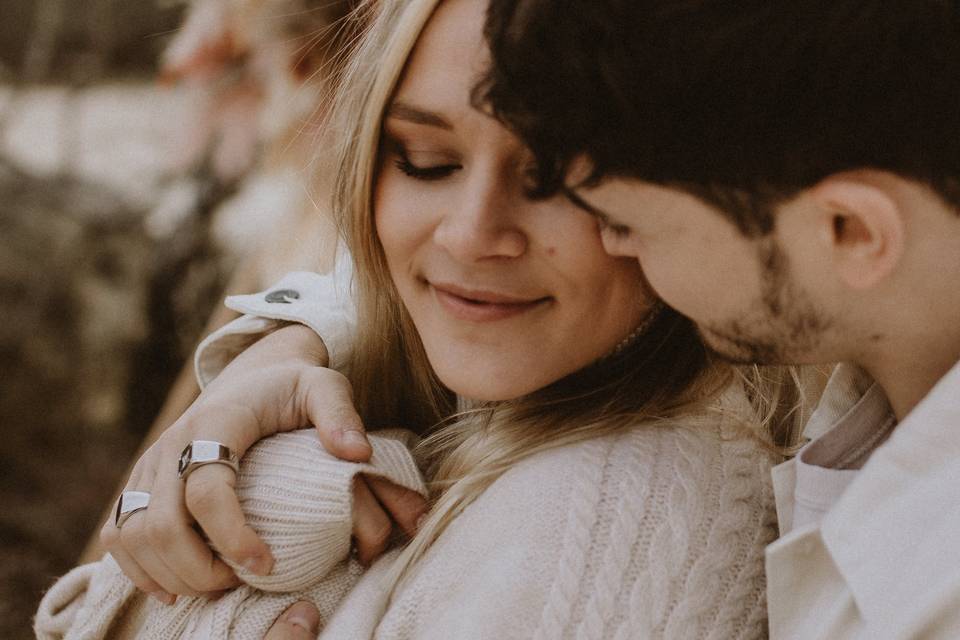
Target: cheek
pixel 608 299
pixel 399 220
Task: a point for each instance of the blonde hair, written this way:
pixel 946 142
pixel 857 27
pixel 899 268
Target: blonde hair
pixel 663 373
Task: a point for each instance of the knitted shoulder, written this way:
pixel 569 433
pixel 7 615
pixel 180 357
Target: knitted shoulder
pixel 665 538
pixel 702 451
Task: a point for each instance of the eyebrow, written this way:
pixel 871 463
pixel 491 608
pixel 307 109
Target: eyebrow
pixel 417 115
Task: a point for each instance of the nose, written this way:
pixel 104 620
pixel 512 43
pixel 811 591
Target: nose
pixel 485 222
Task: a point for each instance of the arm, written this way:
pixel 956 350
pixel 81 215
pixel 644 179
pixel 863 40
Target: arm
pixel 274 385
pixel 297 497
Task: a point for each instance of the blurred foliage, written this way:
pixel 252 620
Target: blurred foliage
pixel 71 41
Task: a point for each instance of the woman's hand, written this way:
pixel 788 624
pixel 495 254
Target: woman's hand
pixel 275 385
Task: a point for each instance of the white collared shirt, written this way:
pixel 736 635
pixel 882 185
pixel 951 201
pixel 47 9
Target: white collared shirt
pixel 871 552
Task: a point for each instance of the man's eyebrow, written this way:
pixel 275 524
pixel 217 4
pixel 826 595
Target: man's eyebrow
pixel 586 206
pixel 416 115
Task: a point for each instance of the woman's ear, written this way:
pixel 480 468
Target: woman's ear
pixel 863 225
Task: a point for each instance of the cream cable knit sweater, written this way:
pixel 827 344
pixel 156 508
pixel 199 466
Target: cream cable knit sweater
pixel 654 533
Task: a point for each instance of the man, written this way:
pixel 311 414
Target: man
pixel 788 175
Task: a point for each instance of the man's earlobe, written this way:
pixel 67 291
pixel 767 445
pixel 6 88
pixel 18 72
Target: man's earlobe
pixel 864 226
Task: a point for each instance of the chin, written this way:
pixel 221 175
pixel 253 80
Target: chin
pixel 483 391
pixel 486 385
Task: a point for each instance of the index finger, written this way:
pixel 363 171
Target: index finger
pixel 211 498
pixel 328 399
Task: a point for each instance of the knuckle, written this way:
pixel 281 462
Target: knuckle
pixel 232 546
pixel 201 493
pixel 133 536
pixel 160 533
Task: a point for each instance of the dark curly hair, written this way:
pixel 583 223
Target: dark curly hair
pixel 742 104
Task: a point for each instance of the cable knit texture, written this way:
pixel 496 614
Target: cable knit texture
pixel 657 532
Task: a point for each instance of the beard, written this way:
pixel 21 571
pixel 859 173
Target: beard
pixel 783 326
pixel 732 344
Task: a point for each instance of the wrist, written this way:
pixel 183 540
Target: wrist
pixel 292 343
pixel 300 342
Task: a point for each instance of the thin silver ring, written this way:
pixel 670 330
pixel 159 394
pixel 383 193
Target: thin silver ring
pixel 129 503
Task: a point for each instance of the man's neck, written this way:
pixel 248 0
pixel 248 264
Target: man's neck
pixel 908 376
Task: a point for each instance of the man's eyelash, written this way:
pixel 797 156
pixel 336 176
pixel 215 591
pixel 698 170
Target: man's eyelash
pixel 618 230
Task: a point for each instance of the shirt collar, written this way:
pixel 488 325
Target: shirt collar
pixel 845 388
pixel 852 417
pixel 894 529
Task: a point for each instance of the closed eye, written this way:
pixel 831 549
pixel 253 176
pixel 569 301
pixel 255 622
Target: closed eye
pixel 618 230
pixel 603 220
pixel 418 172
pixel 437 172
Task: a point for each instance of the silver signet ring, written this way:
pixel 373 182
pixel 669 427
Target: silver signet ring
pixel 201 452
pixel 129 503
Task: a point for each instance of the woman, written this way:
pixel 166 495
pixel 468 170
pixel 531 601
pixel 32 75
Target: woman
pixel 593 473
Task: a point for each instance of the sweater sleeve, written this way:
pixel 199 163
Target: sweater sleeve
pixel 85 603
pixel 322 302
pixel 299 500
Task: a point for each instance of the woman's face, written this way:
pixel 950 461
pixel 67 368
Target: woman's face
pixel 508 294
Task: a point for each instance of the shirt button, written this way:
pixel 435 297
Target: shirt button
pixel 283 296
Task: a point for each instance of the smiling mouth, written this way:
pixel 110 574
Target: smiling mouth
pixel 483 306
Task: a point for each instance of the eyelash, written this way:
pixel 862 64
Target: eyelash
pixel 403 163
pixel 618 230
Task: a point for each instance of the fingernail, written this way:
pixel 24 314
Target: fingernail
pixel 355 438
pixel 164 597
pixel 304 617
pixel 258 565
pixel 299 621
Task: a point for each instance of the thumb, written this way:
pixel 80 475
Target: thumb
pixel 301 621
pixel 329 405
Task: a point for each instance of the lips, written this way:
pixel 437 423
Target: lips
pixel 477 305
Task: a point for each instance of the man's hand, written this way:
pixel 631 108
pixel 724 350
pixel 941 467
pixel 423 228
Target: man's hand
pixel 301 621
pixel 277 385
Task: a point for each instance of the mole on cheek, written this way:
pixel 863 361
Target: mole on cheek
pixel 551 251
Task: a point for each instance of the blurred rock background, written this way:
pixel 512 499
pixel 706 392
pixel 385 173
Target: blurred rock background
pixel 125 205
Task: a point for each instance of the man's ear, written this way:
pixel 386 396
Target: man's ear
pixel 864 226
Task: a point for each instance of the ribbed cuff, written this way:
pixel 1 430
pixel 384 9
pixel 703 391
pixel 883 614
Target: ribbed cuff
pixel 299 499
